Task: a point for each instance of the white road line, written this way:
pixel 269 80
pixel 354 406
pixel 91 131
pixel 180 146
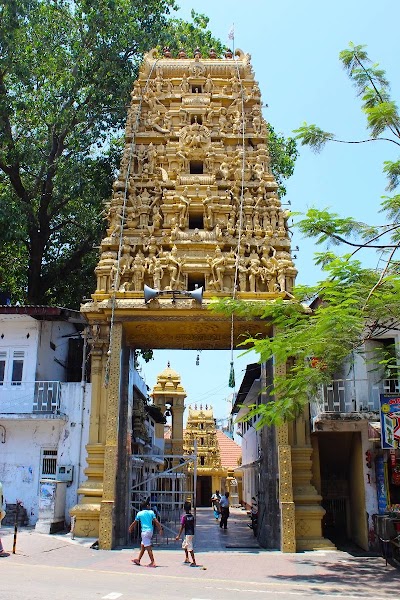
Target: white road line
pixel 297 593
pixel 112 596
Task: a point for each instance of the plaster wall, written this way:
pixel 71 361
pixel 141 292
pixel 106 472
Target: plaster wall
pixel 20 455
pixel 250 448
pixel 20 333
pixel 52 363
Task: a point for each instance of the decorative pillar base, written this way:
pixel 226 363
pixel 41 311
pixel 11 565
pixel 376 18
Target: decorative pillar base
pixel 86 514
pixel 308 511
pixel 85 520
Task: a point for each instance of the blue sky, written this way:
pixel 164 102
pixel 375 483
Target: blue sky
pixel 294 47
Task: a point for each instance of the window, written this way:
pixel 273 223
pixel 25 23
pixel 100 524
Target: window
pixel 3 358
pixel 17 367
pixel 195 281
pixel 196 221
pixel 196 167
pixel 49 464
pixel 11 366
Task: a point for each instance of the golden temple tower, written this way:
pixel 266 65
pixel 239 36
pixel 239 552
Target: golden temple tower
pixel 217 454
pixel 168 394
pixel 195 205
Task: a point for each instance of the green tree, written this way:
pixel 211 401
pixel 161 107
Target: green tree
pixel 324 323
pixel 66 71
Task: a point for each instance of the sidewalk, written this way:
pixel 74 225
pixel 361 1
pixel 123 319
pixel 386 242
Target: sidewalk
pixel 222 556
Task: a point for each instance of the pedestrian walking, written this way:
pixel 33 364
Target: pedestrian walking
pixel 187 525
pixel 224 504
pixel 2 515
pixel 215 498
pixel 147 520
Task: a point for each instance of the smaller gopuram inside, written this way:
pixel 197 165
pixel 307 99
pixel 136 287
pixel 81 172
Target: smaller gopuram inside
pixel 218 455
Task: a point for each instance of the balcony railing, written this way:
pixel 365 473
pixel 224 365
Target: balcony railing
pixel 353 395
pixel 36 397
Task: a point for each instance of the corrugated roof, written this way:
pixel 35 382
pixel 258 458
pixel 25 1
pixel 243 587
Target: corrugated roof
pixel 43 312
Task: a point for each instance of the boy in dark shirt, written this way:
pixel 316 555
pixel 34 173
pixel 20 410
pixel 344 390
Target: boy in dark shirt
pixel 187 524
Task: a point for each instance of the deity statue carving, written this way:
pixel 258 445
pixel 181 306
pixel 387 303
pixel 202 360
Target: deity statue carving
pixel 156 271
pixel 254 270
pixel 185 85
pixel 173 265
pixel 138 272
pixel 217 264
pixel 195 137
pixel 208 85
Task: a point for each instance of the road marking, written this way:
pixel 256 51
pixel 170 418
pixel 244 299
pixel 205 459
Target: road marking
pixel 112 596
pixel 303 588
pixel 300 593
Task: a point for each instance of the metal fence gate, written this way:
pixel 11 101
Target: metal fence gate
pixel 167 490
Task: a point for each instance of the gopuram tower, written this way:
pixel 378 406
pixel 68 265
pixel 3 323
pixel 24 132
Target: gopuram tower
pixel 195 205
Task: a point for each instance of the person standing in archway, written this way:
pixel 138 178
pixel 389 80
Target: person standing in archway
pixel 215 498
pixel 224 504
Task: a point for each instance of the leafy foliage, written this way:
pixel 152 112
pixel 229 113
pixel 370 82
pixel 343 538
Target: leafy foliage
pixel 66 71
pixel 324 324
pixel 190 36
pixel 283 153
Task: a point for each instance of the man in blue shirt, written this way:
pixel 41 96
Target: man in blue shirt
pixel 147 520
pixel 224 504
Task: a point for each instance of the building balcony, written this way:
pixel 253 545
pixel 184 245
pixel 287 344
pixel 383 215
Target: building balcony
pixel 352 395
pixel 35 399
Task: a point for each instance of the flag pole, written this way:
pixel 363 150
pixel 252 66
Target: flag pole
pixel 231 36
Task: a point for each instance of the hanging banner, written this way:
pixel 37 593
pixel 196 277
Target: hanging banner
pixel 390 421
pixel 380 484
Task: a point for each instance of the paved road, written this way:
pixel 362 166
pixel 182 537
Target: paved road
pixel 232 567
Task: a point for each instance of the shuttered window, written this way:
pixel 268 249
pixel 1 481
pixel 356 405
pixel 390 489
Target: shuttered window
pixel 49 463
pixel 3 362
pixel 17 367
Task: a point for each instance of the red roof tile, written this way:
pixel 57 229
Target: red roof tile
pixel 230 451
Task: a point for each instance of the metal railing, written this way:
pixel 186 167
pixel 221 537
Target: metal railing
pixel 352 395
pixel 34 397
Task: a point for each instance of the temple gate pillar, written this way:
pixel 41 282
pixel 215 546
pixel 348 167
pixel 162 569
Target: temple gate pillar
pixel 94 514
pixel 308 511
pixel 287 506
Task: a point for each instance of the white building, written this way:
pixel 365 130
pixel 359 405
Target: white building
pixel 249 394
pixel 355 477
pixel 44 403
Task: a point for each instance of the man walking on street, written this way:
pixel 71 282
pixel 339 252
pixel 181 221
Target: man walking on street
pixel 147 520
pixel 224 506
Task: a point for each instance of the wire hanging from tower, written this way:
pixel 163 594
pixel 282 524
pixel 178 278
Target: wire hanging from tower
pixel 115 284
pixel 231 382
